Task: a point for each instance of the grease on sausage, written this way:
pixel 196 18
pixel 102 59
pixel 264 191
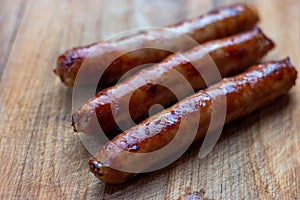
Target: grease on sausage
pixel 216 24
pixel 250 90
pixel 231 55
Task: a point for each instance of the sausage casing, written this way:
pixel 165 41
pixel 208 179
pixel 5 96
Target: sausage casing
pixel 231 55
pixel 257 86
pixel 218 23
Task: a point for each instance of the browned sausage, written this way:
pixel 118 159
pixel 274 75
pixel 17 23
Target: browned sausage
pixel 215 24
pixel 231 55
pixel 246 92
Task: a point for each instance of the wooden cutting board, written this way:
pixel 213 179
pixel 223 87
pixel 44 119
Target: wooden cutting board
pixel 257 157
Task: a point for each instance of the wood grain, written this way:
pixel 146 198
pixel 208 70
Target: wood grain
pixel 10 18
pixel 257 157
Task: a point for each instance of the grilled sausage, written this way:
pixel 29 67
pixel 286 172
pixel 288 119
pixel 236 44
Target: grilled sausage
pixel 216 24
pixel 245 93
pixel 231 55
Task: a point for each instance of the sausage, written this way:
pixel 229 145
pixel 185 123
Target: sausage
pixel 231 55
pixel 216 24
pixel 252 89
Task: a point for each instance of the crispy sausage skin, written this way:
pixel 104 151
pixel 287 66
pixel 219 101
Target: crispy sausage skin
pixel 218 23
pixel 257 86
pixel 231 55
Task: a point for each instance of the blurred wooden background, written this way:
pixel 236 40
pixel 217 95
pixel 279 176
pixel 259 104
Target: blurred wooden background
pixel 257 157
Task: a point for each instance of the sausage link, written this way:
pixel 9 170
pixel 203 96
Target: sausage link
pixel 231 55
pixel 216 24
pixel 250 90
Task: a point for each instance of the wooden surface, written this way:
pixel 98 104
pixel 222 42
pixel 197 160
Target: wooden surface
pixel 257 157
